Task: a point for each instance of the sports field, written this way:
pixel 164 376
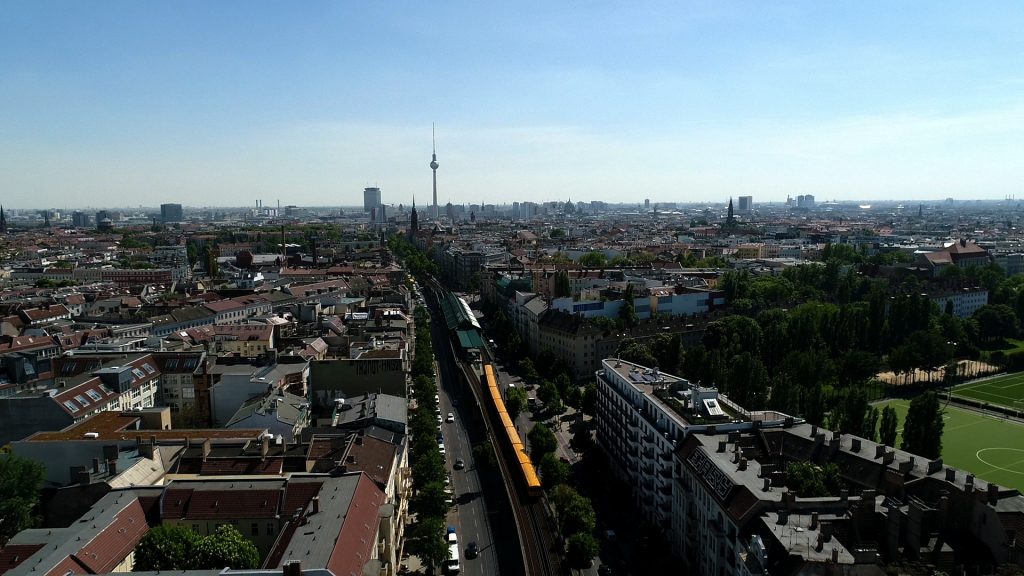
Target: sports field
pixel 1007 390
pixel 992 447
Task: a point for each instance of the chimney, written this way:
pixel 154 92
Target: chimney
pixel 993 493
pixel 722 445
pixel 855 444
pixel 879 451
pixel 844 495
pixel 767 485
pixel 110 452
pixel 743 464
pixel 814 520
pixel 970 480
pixel 814 430
pixel 359 440
pixel 148 450
pixel 96 465
pixel 315 505
pixel 80 475
pixel 950 474
pixel 112 467
pixel 783 517
pixel 826 531
pixel 819 545
pixel 292 568
pixel 835 555
pixel 888 457
pixel 867 497
pixel 934 466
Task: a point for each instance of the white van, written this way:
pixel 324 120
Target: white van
pixel 451 566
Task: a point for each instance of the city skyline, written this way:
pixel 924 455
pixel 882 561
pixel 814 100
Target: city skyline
pixel 218 104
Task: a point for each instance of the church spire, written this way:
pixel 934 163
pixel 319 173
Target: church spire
pixel 3 221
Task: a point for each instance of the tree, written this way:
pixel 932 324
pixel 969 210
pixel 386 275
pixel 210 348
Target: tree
pixel 483 455
pixel 887 427
pixel 808 480
pixel 431 547
pixel 922 429
pixel 574 397
pixel 996 321
pixel 548 394
pixel 166 547
pixel 20 482
pixel 870 428
pixel 430 500
pixel 588 403
pixel 852 414
pixel 553 471
pixel 562 286
pixel 175 547
pixel 225 548
pixel 593 260
pixel 632 351
pixel 575 512
pixel 581 549
pixel 515 402
pixel 542 441
pixel 627 313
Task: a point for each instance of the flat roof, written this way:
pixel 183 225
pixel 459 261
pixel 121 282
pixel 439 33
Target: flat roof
pixel 121 426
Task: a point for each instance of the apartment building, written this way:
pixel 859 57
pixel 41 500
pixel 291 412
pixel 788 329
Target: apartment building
pixel 715 479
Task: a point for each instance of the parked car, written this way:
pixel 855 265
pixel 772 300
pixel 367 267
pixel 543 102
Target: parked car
pixel 459 464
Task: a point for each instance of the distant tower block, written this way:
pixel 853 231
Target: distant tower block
pixel 433 167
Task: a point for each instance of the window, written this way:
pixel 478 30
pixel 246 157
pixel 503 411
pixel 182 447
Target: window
pixel 254 529
pixel 81 400
pixel 70 405
pixel 270 528
pixel 149 369
pixel 94 395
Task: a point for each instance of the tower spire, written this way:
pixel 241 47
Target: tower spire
pixel 3 221
pixel 434 165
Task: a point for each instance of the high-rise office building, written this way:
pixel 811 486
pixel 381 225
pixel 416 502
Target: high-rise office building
pixel 80 219
pixel 371 199
pixel 746 203
pixel 171 213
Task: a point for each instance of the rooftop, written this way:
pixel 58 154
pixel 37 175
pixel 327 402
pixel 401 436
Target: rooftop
pixel 126 426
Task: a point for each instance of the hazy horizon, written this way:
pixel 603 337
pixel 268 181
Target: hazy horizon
pixel 688 102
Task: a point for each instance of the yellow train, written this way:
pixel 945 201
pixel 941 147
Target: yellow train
pixel 512 444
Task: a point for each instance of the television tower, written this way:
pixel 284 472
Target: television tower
pixel 433 166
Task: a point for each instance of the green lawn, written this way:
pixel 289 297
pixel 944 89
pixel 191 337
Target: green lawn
pixel 1005 390
pixel 990 447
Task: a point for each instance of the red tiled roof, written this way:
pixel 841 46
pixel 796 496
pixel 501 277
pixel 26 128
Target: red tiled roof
pixel 213 504
pixel 355 543
pixel 175 503
pixel 236 466
pixel 111 546
pixel 69 565
pixel 298 494
pixel 13 555
pixel 223 306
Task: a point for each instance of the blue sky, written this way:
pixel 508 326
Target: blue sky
pixel 109 103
